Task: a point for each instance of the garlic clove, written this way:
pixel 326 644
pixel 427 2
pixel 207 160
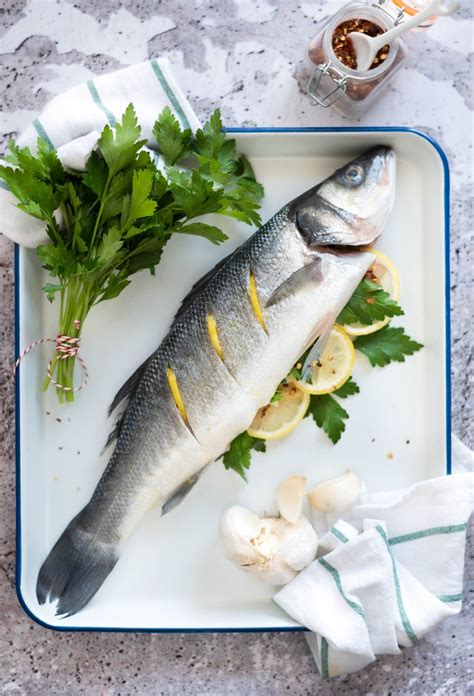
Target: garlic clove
pixel 290 496
pixel 238 526
pixel 298 544
pixel 337 494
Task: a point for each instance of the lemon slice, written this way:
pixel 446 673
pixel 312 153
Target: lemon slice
pixel 383 271
pixel 279 418
pixel 334 367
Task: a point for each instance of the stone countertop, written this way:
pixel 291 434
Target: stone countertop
pixel 247 56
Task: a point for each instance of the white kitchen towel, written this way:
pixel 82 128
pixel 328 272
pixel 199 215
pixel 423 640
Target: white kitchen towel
pixel 72 122
pixel 388 573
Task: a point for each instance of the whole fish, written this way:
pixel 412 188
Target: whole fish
pixel 235 337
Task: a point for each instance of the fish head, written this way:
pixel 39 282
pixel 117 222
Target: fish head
pixel 350 207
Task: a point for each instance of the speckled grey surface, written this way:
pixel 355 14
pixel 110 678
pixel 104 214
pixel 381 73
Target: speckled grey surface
pixel 247 57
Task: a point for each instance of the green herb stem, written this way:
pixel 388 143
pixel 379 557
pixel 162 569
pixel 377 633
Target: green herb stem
pixel 99 214
pixel 75 305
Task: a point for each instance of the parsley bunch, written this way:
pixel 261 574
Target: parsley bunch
pixel 369 303
pixel 114 219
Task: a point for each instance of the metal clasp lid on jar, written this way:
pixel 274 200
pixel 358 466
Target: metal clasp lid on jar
pixel 339 77
pixel 336 76
pixel 396 18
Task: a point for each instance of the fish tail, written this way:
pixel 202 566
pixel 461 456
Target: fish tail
pixel 75 569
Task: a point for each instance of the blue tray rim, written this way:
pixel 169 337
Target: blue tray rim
pixel 279 629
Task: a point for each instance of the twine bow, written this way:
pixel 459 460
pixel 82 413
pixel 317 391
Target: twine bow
pixel 66 347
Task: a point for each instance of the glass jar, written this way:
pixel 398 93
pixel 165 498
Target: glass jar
pixel 351 92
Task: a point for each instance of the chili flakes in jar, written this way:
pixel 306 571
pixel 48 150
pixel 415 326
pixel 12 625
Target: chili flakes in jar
pixel 343 47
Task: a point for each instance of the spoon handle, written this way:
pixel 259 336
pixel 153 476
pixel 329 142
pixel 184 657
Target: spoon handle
pixel 441 8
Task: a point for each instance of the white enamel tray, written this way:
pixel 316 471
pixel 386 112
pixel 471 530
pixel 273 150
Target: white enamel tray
pixel 173 576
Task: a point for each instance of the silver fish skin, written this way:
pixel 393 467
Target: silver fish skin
pixel 305 263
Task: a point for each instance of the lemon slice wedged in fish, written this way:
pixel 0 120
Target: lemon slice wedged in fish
pixel 382 271
pixel 279 418
pixel 333 368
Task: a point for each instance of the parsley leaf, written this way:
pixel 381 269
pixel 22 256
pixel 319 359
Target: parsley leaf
pixel 369 303
pixel 95 176
pixel 35 195
pixel 115 284
pixel 329 415
pixel 210 232
pixel 119 147
pixel 387 345
pixel 138 205
pixel 110 244
pixel 51 289
pixel 238 456
pixel 210 139
pixel 174 144
pixel 347 389
pixel 194 194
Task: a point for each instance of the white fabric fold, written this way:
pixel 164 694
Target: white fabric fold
pixel 72 121
pixel 386 573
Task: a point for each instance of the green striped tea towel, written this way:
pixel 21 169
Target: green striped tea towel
pixel 72 121
pixel 385 575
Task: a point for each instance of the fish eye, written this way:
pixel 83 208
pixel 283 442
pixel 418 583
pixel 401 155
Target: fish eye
pixel 354 174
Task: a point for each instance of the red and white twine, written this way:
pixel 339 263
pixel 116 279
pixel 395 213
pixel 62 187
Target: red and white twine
pixel 66 347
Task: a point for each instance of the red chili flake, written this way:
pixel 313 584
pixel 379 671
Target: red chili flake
pixel 370 275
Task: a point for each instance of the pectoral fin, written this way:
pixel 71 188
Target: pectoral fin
pixel 311 273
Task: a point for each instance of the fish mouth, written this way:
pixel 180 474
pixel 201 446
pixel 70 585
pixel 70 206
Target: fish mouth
pixel 383 166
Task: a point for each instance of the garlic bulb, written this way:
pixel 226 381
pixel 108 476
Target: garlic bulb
pixel 271 548
pixel 337 494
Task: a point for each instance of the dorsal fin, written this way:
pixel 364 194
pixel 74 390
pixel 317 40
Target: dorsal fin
pixel 199 285
pixel 126 391
pixel 129 387
pixel 114 433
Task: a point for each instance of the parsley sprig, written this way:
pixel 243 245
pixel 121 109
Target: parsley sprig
pixel 369 303
pixel 114 219
pixel 238 456
pixel 390 344
pixel 328 413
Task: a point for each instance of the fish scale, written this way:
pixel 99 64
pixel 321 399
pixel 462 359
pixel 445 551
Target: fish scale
pixel 189 399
